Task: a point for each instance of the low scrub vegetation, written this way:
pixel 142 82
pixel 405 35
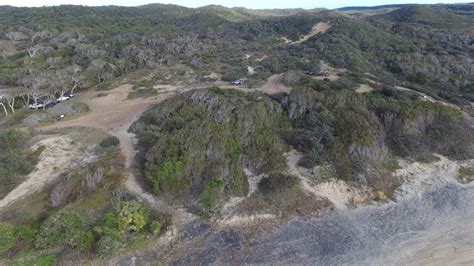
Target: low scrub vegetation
pixel 282 195
pixel 16 159
pixel 121 224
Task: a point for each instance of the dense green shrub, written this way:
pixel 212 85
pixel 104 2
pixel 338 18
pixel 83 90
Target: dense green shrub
pixel 109 243
pixel 64 229
pixel 211 195
pixel 15 160
pixel 25 233
pixel 109 142
pixel 7 237
pixel 132 217
pixel 277 183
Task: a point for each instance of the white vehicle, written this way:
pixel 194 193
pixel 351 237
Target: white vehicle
pixel 63 98
pixel 36 106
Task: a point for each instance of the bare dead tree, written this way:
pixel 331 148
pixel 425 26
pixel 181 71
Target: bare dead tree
pixel 3 103
pixel 93 178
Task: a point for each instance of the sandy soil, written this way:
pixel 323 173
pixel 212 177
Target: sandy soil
pixel 333 72
pixel 7 48
pixel 364 88
pixel 274 85
pixel 426 97
pixel 242 221
pixel 58 156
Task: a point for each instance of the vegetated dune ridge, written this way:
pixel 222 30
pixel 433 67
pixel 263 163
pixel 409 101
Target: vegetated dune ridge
pixel 395 232
pixel 432 222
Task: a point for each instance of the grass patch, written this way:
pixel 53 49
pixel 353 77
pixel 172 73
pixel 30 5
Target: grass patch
pixel 34 259
pixel 142 93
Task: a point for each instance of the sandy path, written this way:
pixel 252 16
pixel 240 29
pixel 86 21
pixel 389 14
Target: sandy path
pixel 58 156
pixel 321 27
pixel 364 88
pixel 426 97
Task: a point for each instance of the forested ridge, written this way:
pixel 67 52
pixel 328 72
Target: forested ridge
pixel 50 49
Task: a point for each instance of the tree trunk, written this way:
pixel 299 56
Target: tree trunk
pixel 4 109
pixel 26 98
pixel 12 105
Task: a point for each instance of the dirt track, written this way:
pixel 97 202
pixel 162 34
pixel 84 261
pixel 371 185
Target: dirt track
pixel 115 113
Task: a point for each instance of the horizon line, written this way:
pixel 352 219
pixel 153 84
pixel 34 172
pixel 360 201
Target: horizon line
pixel 210 5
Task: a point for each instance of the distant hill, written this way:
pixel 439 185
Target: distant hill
pixel 243 14
pixel 370 8
pixel 428 15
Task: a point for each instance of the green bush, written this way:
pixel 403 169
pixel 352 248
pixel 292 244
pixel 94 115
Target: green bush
pixel 25 233
pixel 132 217
pixel 277 183
pixel 155 227
pixel 64 229
pixel 7 237
pixel 109 142
pixel 211 195
pixel 109 243
pixel 15 160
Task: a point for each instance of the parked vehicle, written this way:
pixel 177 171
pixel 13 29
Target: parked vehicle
pixel 36 105
pixel 63 98
pixel 51 104
pixel 236 82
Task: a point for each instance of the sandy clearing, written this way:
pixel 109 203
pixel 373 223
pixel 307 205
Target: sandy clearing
pixel 364 88
pixel 274 85
pixel 333 72
pixel 58 156
pixel 7 48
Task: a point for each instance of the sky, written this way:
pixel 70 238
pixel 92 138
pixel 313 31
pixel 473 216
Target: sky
pixel 229 3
